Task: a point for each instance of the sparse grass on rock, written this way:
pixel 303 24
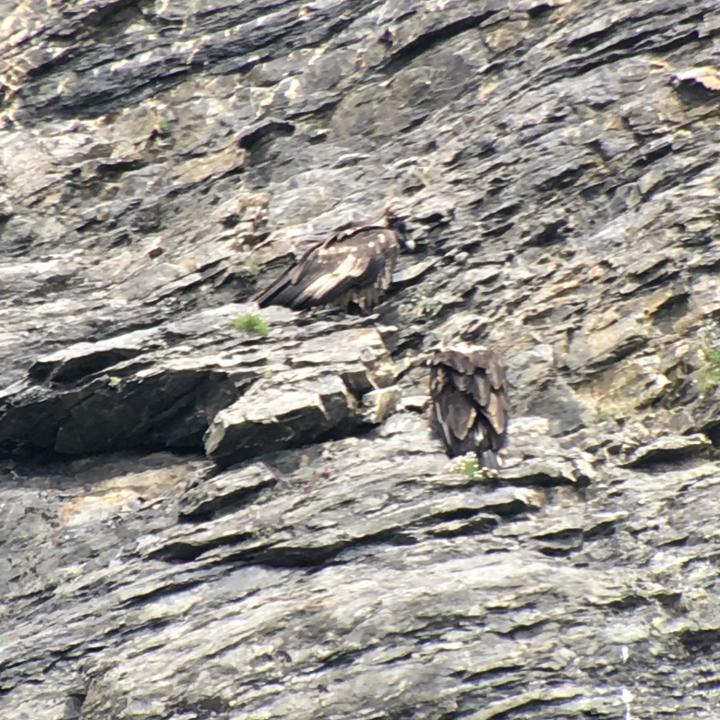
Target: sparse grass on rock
pixel 711 371
pixel 252 324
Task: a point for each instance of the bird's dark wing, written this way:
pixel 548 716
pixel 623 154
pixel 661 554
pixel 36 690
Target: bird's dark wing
pixel 453 412
pixel 470 403
pixel 493 401
pixel 456 416
pixel 268 295
pixel 347 260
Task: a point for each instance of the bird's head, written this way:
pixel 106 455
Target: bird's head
pixel 396 223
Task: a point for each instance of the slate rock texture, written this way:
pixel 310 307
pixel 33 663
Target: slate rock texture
pixel 203 522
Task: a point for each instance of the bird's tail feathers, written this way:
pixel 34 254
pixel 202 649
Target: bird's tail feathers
pixel 488 459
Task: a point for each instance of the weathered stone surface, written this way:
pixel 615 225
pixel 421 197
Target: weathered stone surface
pixel 210 493
pixel 282 416
pixel 317 397
pixel 667 449
pixel 377 405
pixel 558 166
pixel 145 389
pixel 539 459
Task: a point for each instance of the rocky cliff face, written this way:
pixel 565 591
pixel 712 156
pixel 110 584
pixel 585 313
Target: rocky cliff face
pixel 202 521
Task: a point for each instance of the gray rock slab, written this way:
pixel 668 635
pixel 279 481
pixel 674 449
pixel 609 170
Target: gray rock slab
pixel 557 166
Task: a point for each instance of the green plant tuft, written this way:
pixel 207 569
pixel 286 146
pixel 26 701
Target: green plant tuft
pixel 251 324
pixel 711 371
pixel 162 127
pixel 429 306
pixel 607 413
pixel 467 465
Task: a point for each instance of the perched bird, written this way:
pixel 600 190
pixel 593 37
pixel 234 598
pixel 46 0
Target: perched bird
pixel 353 266
pixel 469 401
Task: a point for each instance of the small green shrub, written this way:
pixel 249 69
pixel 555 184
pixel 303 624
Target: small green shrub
pixel 429 306
pixel 711 371
pixel 607 413
pixel 162 127
pixel 250 323
pixel 467 465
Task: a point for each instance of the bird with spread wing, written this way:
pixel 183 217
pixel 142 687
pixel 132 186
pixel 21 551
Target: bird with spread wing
pixel 352 267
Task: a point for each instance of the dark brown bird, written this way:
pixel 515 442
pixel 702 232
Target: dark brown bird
pixel 469 401
pixel 353 266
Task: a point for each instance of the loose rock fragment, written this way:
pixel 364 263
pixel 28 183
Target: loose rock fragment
pixel 669 448
pixel 267 419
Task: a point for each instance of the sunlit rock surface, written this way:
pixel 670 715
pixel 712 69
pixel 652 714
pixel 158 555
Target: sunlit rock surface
pixel 203 522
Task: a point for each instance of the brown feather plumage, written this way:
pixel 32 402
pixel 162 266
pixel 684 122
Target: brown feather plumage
pixel 353 266
pixel 469 401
